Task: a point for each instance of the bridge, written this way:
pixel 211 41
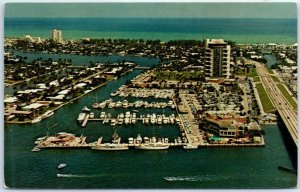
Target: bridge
pixel 282 105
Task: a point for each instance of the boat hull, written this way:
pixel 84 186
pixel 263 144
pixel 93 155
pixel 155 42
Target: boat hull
pixel 147 147
pixel 104 148
pixel 190 147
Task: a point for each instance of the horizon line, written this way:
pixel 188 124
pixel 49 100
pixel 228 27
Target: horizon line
pixel 150 17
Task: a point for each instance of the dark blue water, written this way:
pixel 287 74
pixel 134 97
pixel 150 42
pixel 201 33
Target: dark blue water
pixel 85 60
pixel 240 30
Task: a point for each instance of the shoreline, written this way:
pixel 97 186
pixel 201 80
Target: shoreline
pixel 65 103
pixel 238 39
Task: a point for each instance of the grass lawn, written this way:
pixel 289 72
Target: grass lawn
pixel 287 95
pixel 252 72
pixel 256 79
pixel 270 71
pixel 240 71
pixel 265 101
pixel 275 79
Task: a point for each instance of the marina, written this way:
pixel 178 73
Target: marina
pixel 137 104
pixel 124 91
pixel 129 119
pixel 67 140
pixel 98 100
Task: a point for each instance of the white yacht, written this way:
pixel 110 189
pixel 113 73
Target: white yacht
pixel 92 115
pixel 102 105
pixel 127 114
pixel 190 146
pixel 102 115
pixel 110 147
pixel 35 149
pixel 95 105
pixel 36 120
pixel 62 165
pixel 127 120
pixel 81 117
pixel 153 146
pixel 47 114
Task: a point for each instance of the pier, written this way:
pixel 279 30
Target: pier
pixel 85 121
pixel 132 119
pixel 176 144
pixel 134 145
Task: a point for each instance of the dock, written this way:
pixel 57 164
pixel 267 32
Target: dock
pixel 85 121
pixel 133 119
pixel 132 143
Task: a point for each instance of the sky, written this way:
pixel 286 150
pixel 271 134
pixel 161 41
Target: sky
pixel 153 10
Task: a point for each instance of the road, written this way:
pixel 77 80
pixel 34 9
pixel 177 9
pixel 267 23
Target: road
pixel 284 108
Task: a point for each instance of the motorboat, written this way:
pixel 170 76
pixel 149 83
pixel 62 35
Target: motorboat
pixel 95 105
pixel 47 114
pixel 102 115
pixel 36 120
pixel 127 120
pixel 81 117
pixel 92 115
pixel 62 165
pixel 119 104
pixel 190 146
pixel 130 140
pixel 102 105
pixel 153 146
pixel 127 114
pixel 35 149
pixel 113 122
pixel 85 109
pixel 146 121
pixel 110 147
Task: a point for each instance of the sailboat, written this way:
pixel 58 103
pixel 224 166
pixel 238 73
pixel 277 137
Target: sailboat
pixel 96 104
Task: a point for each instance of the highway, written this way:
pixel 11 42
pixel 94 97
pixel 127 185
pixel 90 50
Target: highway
pixel 284 108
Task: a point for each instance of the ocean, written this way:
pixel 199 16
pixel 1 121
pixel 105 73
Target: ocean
pixel 205 168
pixel 283 31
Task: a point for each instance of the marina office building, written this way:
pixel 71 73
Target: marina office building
pixel 56 35
pixel 217 58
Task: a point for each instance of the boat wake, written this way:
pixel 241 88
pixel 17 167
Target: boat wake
pixel 72 175
pixel 193 178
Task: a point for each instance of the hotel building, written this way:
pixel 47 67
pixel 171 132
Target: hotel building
pixel 56 36
pixel 217 58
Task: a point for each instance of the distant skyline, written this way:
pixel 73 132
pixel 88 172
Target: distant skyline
pixel 153 10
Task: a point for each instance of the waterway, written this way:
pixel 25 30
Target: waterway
pixel 202 168
pixel 271 59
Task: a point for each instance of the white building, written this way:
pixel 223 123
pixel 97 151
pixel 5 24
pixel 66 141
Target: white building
pixel 56 36
pixel 217 58
pixel 32 39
